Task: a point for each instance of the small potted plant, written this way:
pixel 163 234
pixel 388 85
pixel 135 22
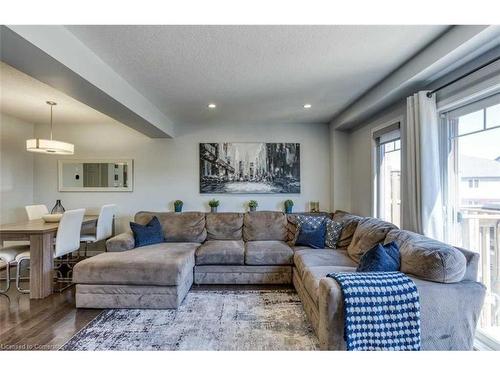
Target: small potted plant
pixel 214 203
pixel 288 206
pixel 253 205
pixel 178 205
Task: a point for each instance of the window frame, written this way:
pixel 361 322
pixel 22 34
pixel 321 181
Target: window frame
pixel 448 138
pixel 449 135
pixel 376 132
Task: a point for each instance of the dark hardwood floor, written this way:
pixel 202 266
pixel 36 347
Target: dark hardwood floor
pixel 44 324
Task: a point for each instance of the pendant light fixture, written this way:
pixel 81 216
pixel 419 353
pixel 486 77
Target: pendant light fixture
pixel 50 146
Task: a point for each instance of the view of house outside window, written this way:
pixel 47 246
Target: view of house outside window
pixel 391 182
pixel 388 180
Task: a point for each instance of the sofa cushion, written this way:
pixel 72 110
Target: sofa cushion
pixel 224 226
pixel 428 259
pixel 221 252
pixel 178 227
pixel 268 253
pixel 291 229
pixel 368 233
pixel 264 226
pixel 307 257
pixel 312 276
pixel 159 264
pixel 121 242
pixel 349 223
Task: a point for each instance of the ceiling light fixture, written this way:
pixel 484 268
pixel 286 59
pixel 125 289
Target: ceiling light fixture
pixel 212 106
pixel 50 146
pixel 307 106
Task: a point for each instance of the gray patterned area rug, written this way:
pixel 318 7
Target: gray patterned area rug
pixel 206 320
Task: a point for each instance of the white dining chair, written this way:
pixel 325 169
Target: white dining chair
pixel 8 254
pixel 8 259
pixel 104 227
pixel 36 211
pixel 67 241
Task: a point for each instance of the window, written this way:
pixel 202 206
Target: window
pixel 388 173
pixel 472 155
pixel 473 183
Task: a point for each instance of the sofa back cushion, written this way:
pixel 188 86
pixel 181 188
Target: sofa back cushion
pixel 428 259
pixel 178 227
pixel 349 224
pixel 264 226
pixel 369 232
pixel 291 229
pixel 224 226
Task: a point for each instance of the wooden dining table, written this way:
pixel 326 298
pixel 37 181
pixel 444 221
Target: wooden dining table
pixel 41 237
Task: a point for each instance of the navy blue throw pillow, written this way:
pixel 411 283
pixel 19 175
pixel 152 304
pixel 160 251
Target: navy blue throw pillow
pixel 148 234
pixel 380 258
pixel 312 236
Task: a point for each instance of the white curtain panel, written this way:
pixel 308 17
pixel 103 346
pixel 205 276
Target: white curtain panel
pixel 423 204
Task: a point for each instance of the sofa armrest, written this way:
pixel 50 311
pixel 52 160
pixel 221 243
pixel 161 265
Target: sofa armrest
pixel 331 315
pixel 472 264
pixel 448 314
pixel 122 242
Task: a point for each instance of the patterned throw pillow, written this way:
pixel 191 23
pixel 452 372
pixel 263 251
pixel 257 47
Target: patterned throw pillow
pixel 333 231
pixel 311 222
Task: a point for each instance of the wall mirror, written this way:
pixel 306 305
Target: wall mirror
pixel 95 175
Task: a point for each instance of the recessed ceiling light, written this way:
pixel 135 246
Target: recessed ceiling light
pixel 212 106
pixel 307 106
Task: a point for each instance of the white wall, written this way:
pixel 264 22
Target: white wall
pixel 486 192
pixel 340 175
pixel 16 169
pixel 168 169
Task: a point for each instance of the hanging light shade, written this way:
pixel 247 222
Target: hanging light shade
pixel 50 146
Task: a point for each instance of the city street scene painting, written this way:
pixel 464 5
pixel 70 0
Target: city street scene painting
pixel 250 168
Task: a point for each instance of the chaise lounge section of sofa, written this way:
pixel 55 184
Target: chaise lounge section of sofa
pixel 154 276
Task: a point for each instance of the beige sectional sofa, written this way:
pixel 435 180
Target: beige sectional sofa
pixel 258 248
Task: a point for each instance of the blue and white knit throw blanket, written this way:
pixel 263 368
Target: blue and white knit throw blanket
pixel 381 310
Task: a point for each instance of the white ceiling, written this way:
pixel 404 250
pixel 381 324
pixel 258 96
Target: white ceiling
pixel 254 73
pixel 24 97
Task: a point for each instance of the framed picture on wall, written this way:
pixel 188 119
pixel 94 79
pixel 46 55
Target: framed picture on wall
pixel 249 168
